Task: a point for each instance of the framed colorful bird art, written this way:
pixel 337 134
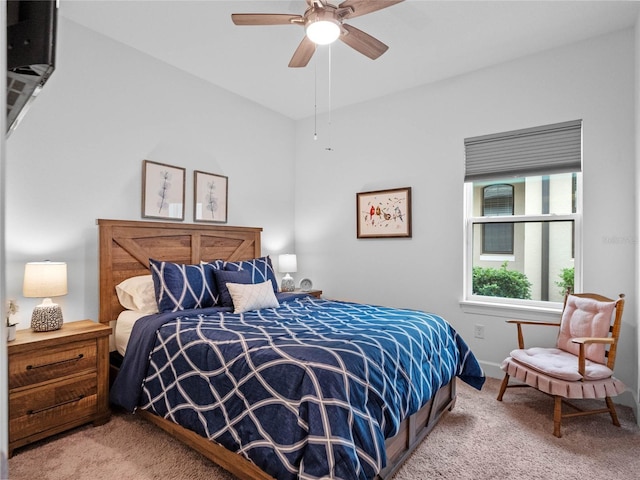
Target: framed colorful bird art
pixel 384 213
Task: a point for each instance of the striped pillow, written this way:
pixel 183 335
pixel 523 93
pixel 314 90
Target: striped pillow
pixel 260 269
pixel 183 287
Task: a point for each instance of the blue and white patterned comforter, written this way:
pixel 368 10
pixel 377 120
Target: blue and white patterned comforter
pixel 307 390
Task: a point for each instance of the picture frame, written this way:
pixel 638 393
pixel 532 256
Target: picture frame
pixel 384 213
pixel 210 197
pixel 162 191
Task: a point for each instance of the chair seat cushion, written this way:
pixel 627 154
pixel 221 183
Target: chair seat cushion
pixel 559 364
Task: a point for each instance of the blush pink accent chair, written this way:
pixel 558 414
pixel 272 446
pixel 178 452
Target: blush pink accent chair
pixel 581 364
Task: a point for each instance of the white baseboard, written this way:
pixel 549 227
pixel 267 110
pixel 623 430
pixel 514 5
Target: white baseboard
pixel 492 370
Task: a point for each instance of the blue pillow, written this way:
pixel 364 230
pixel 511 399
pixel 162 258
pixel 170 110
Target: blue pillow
pixel 260 270
pixel 183 287
pixel 217 264
pixel 227 276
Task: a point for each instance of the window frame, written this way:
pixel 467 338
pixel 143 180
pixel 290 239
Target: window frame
pixel 473 302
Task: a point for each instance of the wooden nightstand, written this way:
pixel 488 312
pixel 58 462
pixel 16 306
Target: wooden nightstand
pixel 313 292
pixel 57 380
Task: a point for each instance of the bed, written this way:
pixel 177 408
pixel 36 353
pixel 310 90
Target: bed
pixel 348 418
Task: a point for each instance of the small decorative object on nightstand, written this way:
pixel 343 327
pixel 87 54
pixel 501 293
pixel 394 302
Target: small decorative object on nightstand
pixel 57 380
pixel 306 284
pixel 11 332
pixel 287 263
pixel 45 279
pixel 12 308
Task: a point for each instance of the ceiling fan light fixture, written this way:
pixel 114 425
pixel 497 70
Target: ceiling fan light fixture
pixel 322 29
pixel 324 24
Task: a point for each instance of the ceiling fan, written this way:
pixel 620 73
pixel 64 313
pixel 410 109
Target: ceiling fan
pixel 323 23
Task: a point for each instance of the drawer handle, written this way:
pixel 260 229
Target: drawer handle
pixel 75 359
pixel 40 410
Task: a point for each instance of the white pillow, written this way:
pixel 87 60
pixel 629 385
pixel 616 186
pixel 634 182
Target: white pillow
pixel 253 296
pixel 138 294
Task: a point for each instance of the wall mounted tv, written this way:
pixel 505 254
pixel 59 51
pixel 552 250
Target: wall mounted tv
pixel 31 39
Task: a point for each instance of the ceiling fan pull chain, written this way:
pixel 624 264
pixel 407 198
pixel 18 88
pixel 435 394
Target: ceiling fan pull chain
pixel 315 100
pixel 329 149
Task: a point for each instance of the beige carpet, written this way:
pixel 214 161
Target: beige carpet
pixel 480 439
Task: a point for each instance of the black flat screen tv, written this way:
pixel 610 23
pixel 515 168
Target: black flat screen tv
pixel 31 51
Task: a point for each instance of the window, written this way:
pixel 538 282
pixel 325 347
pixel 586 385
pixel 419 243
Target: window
pixel 522 228
pixel 497 237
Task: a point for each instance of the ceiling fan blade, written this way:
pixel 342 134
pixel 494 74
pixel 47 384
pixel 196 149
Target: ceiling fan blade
pixel 303 53
pixel 266 19
pixel 363 42
pixel 362 7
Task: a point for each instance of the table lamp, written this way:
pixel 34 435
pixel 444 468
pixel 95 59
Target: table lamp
pixel 287 264
pixel 45 280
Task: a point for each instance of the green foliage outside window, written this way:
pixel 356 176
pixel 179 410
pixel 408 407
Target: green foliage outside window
pixel 566 280
pixel 500 282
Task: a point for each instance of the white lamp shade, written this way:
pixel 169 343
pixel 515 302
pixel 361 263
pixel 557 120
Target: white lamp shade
pixel 45 279
pixel 287 262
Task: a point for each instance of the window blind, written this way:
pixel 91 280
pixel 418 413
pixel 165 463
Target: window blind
pixel 497 200
pixel 544 150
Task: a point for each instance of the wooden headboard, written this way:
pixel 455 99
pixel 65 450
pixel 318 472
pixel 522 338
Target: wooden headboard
pixel 126 246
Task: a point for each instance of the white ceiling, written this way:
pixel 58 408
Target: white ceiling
pixel 428 41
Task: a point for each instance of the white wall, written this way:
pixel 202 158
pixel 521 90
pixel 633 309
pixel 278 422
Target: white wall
pixel 77 157
pixel 637 204
pixel 416 138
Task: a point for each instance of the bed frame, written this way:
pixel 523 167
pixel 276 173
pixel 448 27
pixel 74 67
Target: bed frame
pixel 125 249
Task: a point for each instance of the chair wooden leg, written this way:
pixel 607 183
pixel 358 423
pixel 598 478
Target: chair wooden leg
pixel 503 387
pixel 557 415
pixel 612 411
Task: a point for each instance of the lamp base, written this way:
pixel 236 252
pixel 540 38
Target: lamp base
pixel 287 284
pixel 46 318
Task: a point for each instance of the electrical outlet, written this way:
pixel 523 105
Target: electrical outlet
pixel 478 331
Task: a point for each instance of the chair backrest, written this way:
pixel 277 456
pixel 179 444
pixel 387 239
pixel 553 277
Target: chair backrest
pixel 591 315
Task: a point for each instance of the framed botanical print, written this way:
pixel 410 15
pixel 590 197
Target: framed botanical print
pixel 162 191
pixel 210 194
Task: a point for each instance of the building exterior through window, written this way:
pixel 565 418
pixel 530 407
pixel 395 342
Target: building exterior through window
pixel 497 237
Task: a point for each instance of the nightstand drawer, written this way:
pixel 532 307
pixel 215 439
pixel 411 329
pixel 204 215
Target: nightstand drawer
pixel 51 405
pixel 49 364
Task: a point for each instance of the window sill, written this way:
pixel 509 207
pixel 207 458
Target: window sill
pixel 497 258
pixel 507 310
